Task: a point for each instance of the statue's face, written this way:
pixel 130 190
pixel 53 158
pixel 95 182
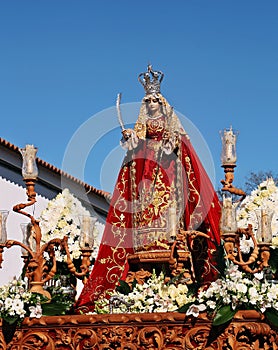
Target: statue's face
pixel 152 104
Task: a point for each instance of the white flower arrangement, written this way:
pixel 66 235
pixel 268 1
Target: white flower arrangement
pixel 237 291
pixel 152 296
pixel 61 218
pixel 16 302
pixel 265 196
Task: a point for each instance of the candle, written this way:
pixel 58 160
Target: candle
pixel 228 155
pixel 264 232
pixel 228 218
pixel 86 228
pixel 172 213
pixel 87 231
pixel 29 236
pixel 29 167
pixel 3 233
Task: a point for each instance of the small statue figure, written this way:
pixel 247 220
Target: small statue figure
pixel 65 288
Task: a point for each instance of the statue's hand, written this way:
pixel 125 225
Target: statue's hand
pixel 166 135
pixel 168 142
pixel 129 140
pixel 127 133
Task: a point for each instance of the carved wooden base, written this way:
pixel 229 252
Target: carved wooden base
pixel 160 260
pixel 154 331
pixel 155 257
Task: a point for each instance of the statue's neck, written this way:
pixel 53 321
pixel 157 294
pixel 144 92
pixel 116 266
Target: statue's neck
pixel 155 116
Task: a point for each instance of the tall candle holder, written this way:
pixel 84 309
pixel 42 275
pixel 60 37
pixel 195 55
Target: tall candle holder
pixel 38 269
pixel 258 259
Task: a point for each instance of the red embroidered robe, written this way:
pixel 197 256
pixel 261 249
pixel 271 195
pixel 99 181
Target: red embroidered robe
pixel 148 183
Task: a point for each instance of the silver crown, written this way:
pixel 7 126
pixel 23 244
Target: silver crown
pixel 151 80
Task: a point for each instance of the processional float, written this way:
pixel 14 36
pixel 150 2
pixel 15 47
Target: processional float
pixel 178 259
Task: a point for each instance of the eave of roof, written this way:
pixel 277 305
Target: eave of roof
pixel 58 171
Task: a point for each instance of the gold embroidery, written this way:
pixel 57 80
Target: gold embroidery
pixel 194 196
pixel 140 130
pixel 151 217
pixel 154 145
pixel 180 185
pixel 118 230
pixel 155 126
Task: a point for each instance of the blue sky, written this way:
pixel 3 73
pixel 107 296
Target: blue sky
pixel 63 63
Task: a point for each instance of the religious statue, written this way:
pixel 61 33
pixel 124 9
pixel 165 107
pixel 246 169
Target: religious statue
pixel 161 188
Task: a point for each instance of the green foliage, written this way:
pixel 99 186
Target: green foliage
pixel 273 260
pixel 220 259
pixel 272 316
pixel 60 303
pixel 223 315
pixel 123 288
pixel 56 308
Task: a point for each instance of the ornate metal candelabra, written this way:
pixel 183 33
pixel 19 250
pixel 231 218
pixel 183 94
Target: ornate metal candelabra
pixel 38 269
pixel 231 234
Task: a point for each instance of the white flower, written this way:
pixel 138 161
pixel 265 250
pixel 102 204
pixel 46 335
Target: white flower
pixel 194 310
pixel 238 289
pixel 253 293
pixel 181 300
pixel 259 275
pixel 62 218
pixel 35 311
pixel 211 304
pixel 264 196
pixel 156 296
pixel 275 242
pixel 241 287
pixel 246 245
pixel 234 272
pixel 173 291
pixel 14 299
pixel 182 288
